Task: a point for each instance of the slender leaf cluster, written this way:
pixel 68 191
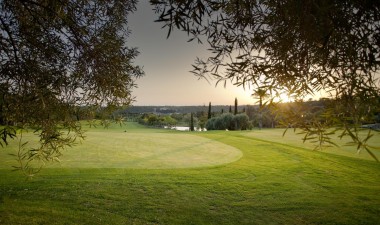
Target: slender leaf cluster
pixel 56 56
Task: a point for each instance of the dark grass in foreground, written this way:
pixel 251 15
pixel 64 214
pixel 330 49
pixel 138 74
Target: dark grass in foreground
pixel 271 184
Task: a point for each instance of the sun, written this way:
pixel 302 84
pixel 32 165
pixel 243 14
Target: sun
pixel 283 98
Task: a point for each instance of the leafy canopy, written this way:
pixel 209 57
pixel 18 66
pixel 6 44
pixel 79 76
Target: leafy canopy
pixel 58 55
pixel 303 46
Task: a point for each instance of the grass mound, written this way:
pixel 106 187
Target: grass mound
pixel 137 147
pixel 148 151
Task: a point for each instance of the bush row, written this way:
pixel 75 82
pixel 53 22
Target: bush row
pixel 230 122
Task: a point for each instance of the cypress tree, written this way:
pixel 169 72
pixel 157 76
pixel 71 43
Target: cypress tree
pixel 230 109
pixel 236 103
pixel 191 122
pixel 209 111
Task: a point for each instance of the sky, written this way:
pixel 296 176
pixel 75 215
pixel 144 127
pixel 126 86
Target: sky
pixel 167 63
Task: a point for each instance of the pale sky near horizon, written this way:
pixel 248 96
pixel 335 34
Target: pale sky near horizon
pixel 167 63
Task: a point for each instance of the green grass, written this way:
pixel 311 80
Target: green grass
pixel 133 147
pixel 295 139
pixel 272 183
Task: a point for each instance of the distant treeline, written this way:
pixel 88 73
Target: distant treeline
pixel 182 109
pixel 222 116
pixel 267 116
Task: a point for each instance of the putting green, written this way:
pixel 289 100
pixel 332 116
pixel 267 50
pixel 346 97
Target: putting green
pixel 148 150
pixel 139 150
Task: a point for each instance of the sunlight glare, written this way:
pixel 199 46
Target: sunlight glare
pixel 284 98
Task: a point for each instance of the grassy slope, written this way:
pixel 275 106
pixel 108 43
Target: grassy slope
pixel 271 184
pixel 295 139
